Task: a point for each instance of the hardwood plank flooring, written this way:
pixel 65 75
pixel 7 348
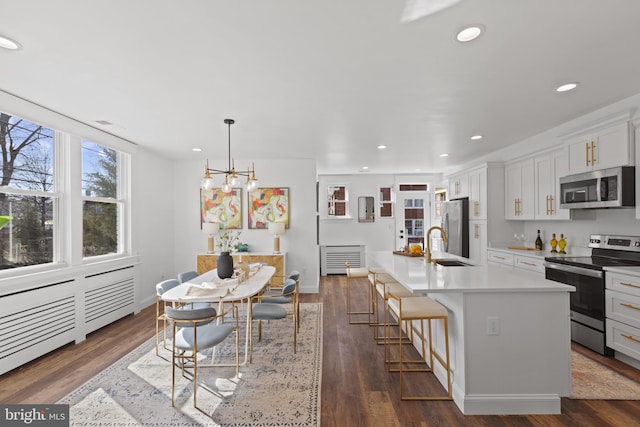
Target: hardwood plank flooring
pixel 356 388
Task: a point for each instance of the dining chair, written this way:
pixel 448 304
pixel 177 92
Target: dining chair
pixel 196 330
pixel 161 288
pixel 185 276
pixel 260 310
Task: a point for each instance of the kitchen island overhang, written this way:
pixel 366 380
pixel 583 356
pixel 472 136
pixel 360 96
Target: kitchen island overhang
pixel 509 333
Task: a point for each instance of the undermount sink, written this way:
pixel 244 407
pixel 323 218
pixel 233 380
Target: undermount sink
pixel 451 263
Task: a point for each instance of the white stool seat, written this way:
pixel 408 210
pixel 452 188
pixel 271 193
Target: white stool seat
pixel 418 308
pixel 358 272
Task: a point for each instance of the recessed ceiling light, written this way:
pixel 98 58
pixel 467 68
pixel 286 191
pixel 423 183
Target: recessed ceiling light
pixel 418 170
pixel 381 147
pixel 567 87
pixel 7 43
pixel 197 150
pixel 365 168
pixel 444 155
pixel 470 33
pixel 474 137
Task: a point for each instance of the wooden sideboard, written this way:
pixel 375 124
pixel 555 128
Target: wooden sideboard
pixel 208 262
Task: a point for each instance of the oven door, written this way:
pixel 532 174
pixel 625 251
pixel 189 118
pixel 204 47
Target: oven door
pixel 587 302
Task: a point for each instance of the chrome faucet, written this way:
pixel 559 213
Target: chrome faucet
pixel 444 237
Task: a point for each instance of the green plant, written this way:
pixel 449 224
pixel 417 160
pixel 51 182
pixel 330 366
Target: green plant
pixel 228 240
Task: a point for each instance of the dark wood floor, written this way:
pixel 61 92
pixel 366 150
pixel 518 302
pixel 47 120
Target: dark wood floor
pixel 356 389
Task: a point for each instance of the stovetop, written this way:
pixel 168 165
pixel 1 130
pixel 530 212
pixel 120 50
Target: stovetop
pixel 607 251
pixel 593 262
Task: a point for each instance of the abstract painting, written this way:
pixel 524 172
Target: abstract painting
pixel 223 208
pixel 268 205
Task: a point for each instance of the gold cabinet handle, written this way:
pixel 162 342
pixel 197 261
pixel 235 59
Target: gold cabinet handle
pixel 586 152
pixel 499 257
pixel 528 263
pixel 476 208
pixel 629 284
pixel 630 306
pixel 593 153
pixel 550 205
pixel 547 201
pixel 631 337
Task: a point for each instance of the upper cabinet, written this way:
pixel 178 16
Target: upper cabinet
pixel 478 194
pixel 601 147
pixel 519 190
pixel 548 170
pixel 458 186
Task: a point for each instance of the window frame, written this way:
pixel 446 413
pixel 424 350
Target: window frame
pixel 345 201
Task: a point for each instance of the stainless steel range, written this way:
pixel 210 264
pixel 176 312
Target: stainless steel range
pixel 587 274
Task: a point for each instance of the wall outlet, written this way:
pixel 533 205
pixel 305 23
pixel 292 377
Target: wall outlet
pixel 493 326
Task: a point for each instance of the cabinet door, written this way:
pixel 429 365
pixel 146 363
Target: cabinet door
pixel 544 186
pixel 478 241
pixel 513 190
pixel 478 194
pixel 528 190
pixel 458 186
pixel 611 147
pixel 579 155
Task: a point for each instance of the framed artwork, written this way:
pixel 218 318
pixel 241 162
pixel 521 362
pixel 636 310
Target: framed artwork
pixel 268 205
pixel 223 208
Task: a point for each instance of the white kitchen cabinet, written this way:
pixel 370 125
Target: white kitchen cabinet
pixel 458 186
pixel 500 259
pixel 622 310
pixel 519 190
pixel 478 194
pixel 548 170
pixel 602 148
pixel 517 261
pixel 478 241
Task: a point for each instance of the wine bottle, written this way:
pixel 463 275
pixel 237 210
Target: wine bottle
pixel 538 242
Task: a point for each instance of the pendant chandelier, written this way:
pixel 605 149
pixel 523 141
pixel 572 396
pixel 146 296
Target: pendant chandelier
pixel 231 176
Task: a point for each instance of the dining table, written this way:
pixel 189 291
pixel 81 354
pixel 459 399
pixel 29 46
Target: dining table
pixel 207 287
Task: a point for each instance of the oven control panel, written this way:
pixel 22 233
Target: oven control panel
pixel 625 243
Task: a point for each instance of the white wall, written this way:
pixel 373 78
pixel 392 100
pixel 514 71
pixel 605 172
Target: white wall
pixel 299 240
pixel 152 221
pixel 376 236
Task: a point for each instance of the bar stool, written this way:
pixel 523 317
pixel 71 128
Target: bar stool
pixel 384 285
pixel 359 272
pixel 373 272
pixel 421 308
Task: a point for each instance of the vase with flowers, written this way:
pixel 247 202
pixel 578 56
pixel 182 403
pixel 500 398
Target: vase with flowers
pixel 227 242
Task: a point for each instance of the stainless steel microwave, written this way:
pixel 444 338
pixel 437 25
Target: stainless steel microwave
pixel 608 188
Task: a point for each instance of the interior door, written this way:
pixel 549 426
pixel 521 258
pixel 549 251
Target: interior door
pixel 412 218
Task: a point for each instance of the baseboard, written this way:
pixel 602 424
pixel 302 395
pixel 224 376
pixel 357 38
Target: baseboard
pixel 495 404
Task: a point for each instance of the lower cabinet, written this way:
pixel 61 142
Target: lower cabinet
pixel 516 261
pixel 478 241
pixel 207 262
pixel 622 311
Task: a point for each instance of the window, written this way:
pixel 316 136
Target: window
pixel 27 193
pixel 34 172
pixel 386 202
pixel 101 207
pixel 338 201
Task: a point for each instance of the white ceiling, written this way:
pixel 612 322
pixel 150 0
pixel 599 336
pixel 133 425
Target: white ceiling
pixel 324 79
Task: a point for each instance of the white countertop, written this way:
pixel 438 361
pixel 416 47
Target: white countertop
pixel 418 276
pixel 573 251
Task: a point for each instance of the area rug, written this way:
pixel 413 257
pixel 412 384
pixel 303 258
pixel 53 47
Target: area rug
pixel 279 388
pixel 591 380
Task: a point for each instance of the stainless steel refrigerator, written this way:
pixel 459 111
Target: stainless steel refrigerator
pixel 455 222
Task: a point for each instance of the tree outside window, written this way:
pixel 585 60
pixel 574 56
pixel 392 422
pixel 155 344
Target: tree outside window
pixel 26 192
pixel 100 213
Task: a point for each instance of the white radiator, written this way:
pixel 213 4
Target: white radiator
pixel 108 296
pixel 332 258
pixel 36 322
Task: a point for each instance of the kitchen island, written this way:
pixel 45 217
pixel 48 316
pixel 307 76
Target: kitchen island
pixel 509 333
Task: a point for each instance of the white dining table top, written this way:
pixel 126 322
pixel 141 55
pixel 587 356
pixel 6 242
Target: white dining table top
pixel 244 290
